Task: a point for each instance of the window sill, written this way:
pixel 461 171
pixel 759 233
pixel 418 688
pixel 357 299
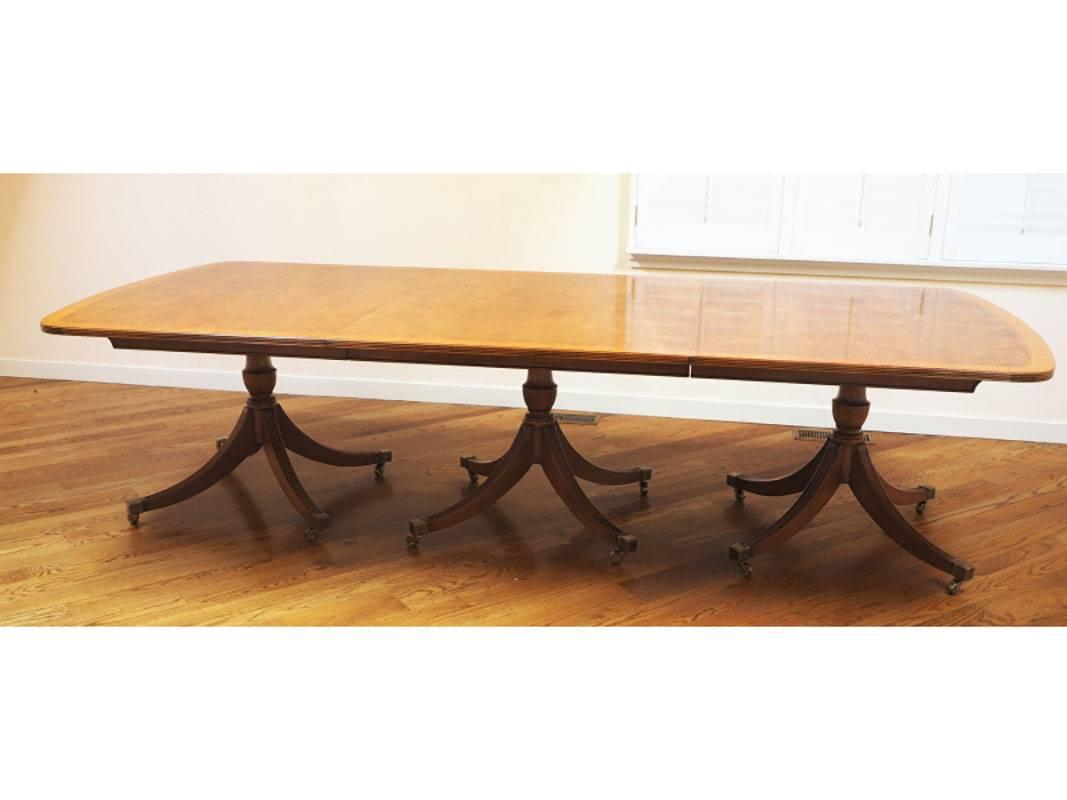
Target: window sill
pixel 963 273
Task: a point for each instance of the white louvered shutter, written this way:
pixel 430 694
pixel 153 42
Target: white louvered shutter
pixel 1007 219
pixel 861 217
pixel 709 215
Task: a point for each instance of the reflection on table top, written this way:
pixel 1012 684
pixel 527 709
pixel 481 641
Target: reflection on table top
pixel 656 324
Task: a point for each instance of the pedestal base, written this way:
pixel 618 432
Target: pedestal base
pixel 262 425
pixel 844 459
pixel 539 441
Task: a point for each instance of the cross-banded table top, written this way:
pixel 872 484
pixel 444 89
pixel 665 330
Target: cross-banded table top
pixel 707 326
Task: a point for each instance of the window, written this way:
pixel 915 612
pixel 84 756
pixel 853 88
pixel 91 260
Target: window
pixel 1005 218
pixel 1003 221
pixel 704 214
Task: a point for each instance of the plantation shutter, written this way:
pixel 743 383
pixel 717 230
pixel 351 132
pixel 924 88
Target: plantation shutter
pixel 711 215
pixel 862 217
pixel 1006 219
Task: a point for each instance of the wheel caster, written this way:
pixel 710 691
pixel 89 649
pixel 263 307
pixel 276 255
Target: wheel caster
pixel 931 493
pixel 219 442
pixel 134 509
pixel 624 543
pixel 470 472
pixel 416 528
pixel 745 567
pixel 315 525
pixel 954 587
pixel 643 486
pixel 384 457
pixel 739 493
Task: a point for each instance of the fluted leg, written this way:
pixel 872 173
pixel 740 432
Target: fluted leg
pixel 478 466
pixel 270 434
pixel 588 471
pixel 821 487
pixel 775 487
pixel 558 470
pixel 303 445
pixel 239 445
pixel 869 490
pixel 920 495
pixel 508 471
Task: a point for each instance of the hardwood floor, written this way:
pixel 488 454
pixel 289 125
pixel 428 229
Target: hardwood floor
pixel 69 453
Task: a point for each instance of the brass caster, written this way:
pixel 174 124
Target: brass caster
pixel 646 476
pixel 731 480
pixel 219 442
pixel 470 472
pixel 954 587
pixel 384 457
pixel 739 554
pixel 317 523
pixel 931 493
pixel 625 543
pixel 134 509
pixel 416 528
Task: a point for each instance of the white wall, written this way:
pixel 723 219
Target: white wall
pixel 63 237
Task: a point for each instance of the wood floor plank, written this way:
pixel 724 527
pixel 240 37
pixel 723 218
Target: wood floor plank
pixel 70 452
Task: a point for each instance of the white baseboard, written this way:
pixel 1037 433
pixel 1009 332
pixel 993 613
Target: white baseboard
pixel 709 408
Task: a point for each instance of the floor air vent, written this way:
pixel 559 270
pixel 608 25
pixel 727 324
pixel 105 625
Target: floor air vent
pixel 821 435
pixel 566 418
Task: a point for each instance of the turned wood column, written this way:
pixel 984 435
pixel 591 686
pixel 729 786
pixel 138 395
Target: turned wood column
pixel 844 459
pixel 850 412
pixel 539 440
pixel 263 425
pixel 260 378
pixel 539 392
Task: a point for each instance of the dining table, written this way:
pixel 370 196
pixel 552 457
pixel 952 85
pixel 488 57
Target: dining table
pixel 853 336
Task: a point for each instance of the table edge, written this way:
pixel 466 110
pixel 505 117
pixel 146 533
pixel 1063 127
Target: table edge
pixel 729 368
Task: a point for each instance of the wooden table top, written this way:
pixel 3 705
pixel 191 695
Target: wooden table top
pixel 876 335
